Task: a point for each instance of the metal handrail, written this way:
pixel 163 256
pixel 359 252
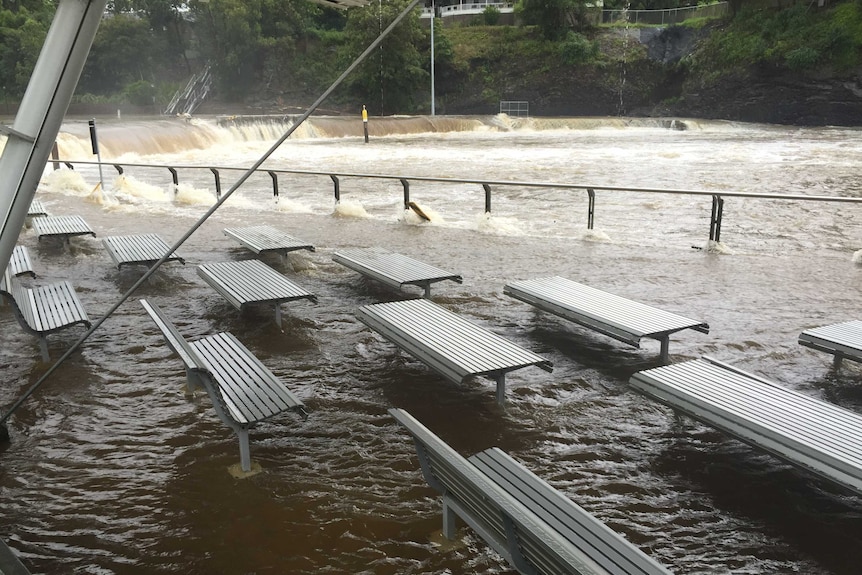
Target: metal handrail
pixel 715 218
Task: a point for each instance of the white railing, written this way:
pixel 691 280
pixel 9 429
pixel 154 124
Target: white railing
pixel 665 17
pixel 474 7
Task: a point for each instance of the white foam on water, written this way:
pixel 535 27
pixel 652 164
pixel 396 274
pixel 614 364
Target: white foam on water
pixel 487 223
pixel 191 196
pixel 292 207
pixel 134 191
pixel 350 209
pixel 66 182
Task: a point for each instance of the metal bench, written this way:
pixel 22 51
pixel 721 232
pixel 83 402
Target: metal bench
pixel 449 344
pixel 44 310
pixel 263 239
pixel 533 526
pixel 840 339
pixel 243 390
pixel 252 282
pixel 20 263
pixel 816 436
pixel 36 210
pixel 142 249
pixel 63 227
pixel 394 270
pixel 620 318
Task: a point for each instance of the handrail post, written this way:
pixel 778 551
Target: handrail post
pixel 487 198
pixel 69 165
pixel 217 182
pixel 175 178
pixel 119 168
pixel 337 185
pixel 406 185
pixel 591 208
pixel 715 218
pixel 274 177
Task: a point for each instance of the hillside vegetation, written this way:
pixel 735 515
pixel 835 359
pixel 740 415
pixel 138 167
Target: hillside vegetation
pixel 798 64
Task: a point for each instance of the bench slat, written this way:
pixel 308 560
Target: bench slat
pixel 138 249
pixel 448 343
pixel 818 436
pixel 392 269
pixel 261 239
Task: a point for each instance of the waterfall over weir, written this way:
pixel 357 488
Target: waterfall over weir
pixel 175 135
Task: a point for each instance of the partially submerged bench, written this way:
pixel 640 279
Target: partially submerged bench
pixel 392 269
pixel 264 239
pixel 243 390
pixel 36 210
pixel 63 227
pixel 19 263
pixel 43 310
pixel 252 282
pixel 447 343
pixel 533 526
pixel 840 339
pixel 617 317
pixel 816 436
pixel 141 249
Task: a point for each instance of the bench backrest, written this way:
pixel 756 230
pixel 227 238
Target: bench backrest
pixel 532 545
pixel 174 338
pixel 20 298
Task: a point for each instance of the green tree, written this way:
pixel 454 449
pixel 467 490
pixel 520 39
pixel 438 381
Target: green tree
pixel 123 51
pixel 230 33
pixel 390 78
pixel 554 17
pixel 22 33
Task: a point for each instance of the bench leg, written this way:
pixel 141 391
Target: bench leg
pixel 836 361
pixel 450 526
pixel 244 451
pixel 501 389
pixel 278 315
pixel 427 287
pixel 665 344
pixel 43 347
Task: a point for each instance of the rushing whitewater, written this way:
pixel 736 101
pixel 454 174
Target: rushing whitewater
pixel 112 469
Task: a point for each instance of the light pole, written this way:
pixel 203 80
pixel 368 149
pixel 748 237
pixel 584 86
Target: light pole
pixel 433 16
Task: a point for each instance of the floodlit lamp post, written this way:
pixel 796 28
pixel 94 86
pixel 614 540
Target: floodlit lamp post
pixel 433 15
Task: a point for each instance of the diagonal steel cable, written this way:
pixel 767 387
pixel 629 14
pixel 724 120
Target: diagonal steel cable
pixel 4 434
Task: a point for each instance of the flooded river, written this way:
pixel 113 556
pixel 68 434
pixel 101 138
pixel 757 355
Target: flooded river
pixel 111 468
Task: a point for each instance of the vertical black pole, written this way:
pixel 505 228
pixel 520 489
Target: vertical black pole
pixel 406 185
pixel 487 198
pixel 217 182
pixel 337 188
pixel 274 177
pixel 591 209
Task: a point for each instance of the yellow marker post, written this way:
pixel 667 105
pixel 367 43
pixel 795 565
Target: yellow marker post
pixel 365 122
